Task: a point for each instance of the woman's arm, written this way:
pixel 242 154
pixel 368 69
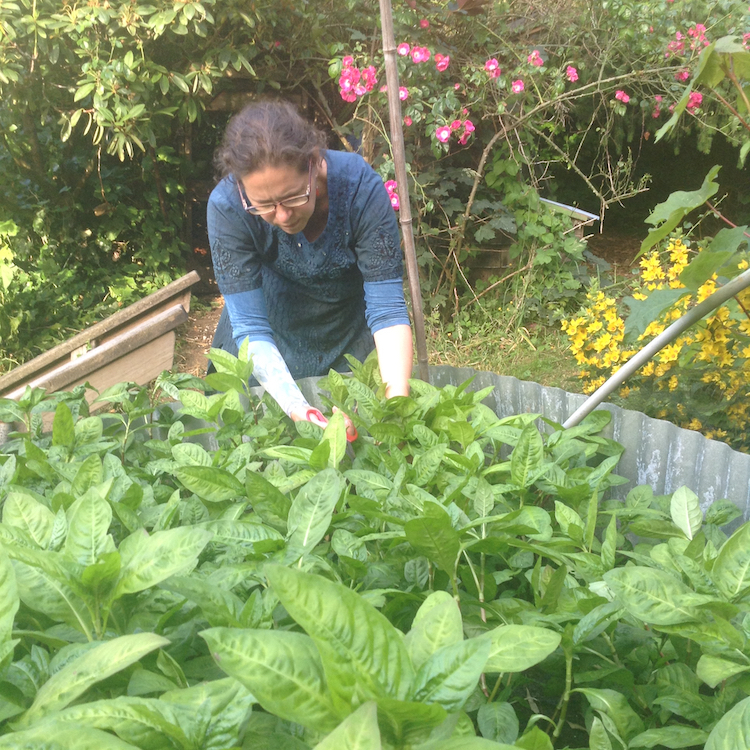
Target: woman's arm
pixel 394 347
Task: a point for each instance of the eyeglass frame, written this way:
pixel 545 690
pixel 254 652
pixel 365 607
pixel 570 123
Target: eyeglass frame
pixel 254 210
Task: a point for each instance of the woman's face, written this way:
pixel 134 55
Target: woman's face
pixel 274 184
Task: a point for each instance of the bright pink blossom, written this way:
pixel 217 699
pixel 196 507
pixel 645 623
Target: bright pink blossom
pixel 535 59
pixel 492 66
pixel 622 96
pixel 746 40
pixel 456 124
pixel 403 93
pixel 469 126
pixel 395 202
pixel 369 77
pixel 571 73
pixel 682 75
pixel 424 23
pixel 348 61
pixel 443 133
pixel 695 99
pixel 420 54
pixel 391 185
pixel 360 90
pixel 457 86
pixel 517 86
pixel 407 121
pixel 383 89
pixel 442 62
pixel 403 49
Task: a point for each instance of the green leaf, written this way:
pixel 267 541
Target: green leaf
pixel 731 569
pixel 145 722
pixel 451 674
pixel 437 624
pixel 713 669
pixel 427 464
pixel 710 260
pixel 267 501
pixel 534 739
pixel 732 730
pixel 335 435
pixel 686 511
pixel 30 516
pixel 88 523
pixel 654 596
pixel 359 731
pixel 312 510
pixel 79 737
pixel 408 723
pixel 148 560
pixel 672 736
pixel 515 648
pixel 643 312
pixel 63 429
pixel 363 654
pixel 90 474
pixel 219 607
pixel 615 706
pixel 281 669
pixel 91 667
pixel 498 722
pixel 210 483
pixel 668 215
pixel 527 458
pixel 598 737
pixel 9 601
pixel 433 536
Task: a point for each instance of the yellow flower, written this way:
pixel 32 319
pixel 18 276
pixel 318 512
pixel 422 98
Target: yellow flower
pixel 694 424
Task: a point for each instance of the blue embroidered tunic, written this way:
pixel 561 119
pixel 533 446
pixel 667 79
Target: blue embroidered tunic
pixel 317 300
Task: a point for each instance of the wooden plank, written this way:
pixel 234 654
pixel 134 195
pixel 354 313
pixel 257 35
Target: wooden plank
pixel 104 331
pixel 86 366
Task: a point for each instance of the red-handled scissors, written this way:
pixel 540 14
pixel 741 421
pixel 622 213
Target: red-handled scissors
pixel 316 417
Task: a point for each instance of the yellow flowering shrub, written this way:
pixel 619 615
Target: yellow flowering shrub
pixel 701 380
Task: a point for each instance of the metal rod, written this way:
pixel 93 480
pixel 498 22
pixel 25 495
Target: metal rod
pixel 399 162
pixel 718 298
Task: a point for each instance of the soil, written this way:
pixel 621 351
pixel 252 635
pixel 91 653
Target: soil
pixel 617 249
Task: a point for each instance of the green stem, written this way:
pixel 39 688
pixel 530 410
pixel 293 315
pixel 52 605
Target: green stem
pixel 496 688
pixel 566 694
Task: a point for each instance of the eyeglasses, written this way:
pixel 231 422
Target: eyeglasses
pixel 267 208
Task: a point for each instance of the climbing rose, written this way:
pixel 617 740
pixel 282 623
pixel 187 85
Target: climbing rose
pixel 348 61
pixel 403 49
pixel 468 130
pixel 456 124
pixel 407 121
pixel 682 75
pixel 369 76
pixel 442 62
pixel 535 59
pixel 443 133
pixel 572 73
pixel 517 86
pixel 694 101
pixel 424 23
pixel 420 54
pixel 492 66
pixel 392 186
pixel 403 93
pixel 622 96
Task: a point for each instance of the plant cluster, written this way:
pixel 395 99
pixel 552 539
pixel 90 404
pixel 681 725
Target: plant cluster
pixel 452 580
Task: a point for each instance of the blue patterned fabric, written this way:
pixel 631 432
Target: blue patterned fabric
pixel 314 292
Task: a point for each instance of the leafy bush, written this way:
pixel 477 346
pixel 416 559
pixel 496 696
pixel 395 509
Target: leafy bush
pixel 450 573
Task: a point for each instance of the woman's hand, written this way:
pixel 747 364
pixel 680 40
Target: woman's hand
pixel 313 415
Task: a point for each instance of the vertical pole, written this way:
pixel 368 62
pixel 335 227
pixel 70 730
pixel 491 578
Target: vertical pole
pixel 399 161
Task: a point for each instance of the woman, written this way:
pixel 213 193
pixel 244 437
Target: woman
pixel 306 252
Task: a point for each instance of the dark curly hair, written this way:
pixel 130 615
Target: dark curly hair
pixel 264 133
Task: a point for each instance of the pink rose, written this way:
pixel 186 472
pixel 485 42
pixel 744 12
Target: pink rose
pixel 442 62
pixel 517 86
pixel 407 121
pixel 456 124
pixel 571 73
pixel 622 96
pixel 695 99
pixel 420 54
pixel 370 78
pixel 535 59
pixel 348 61
pixel 403 93
pixel 469 126
pixel 403 49
pixel 424 23
pixel 443 133
pixel 492 66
